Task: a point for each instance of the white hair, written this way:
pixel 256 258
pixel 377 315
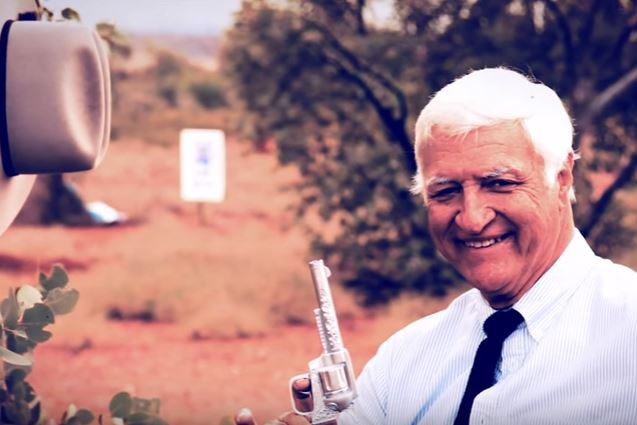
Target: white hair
pixel 493 96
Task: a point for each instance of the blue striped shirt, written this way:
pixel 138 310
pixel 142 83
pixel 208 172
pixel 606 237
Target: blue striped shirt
pixel 573 361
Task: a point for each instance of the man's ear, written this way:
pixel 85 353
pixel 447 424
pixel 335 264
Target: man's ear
pixel 565 175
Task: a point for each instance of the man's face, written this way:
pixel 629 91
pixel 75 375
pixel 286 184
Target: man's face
pixel 491 211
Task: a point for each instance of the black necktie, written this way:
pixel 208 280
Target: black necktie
pixel 498 327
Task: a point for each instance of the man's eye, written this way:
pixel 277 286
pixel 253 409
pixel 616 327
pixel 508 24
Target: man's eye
pixel 500 184
pixel 443 193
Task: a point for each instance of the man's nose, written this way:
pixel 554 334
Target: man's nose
pixel 474 214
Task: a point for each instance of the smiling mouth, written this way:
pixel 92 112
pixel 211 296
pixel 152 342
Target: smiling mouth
pixel 485 243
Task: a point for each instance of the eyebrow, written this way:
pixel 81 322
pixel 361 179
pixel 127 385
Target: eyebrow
pixel 437 181
pixel 494 174
pixel 498 172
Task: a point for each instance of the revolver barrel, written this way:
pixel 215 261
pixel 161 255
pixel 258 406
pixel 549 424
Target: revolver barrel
pixel 326 319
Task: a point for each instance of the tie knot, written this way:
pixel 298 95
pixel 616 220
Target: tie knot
pixel 502 323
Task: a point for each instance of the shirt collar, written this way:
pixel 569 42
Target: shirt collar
pixel 548 296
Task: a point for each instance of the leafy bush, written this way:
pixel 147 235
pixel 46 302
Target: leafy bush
pixel 169 92
pixel 26 312
pixel 208 94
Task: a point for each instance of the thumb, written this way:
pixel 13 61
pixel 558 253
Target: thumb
pixel 290 418
pixel 244 417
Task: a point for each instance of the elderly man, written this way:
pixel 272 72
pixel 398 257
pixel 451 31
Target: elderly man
pixel 548 334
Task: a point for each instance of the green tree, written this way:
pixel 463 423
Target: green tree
pixel 339 96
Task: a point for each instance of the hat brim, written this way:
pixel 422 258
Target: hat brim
pixel 13 193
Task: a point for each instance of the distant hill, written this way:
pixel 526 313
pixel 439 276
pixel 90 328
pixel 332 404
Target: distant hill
pixel 200 50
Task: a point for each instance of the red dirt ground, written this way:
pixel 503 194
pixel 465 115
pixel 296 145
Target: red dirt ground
pixel 198 382
pixel 89 358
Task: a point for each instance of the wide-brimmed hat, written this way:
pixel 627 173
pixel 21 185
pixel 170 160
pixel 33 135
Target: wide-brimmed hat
pixel 55 115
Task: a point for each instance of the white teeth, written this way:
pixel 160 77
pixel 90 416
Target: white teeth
pixel 484 243
pixel 480 244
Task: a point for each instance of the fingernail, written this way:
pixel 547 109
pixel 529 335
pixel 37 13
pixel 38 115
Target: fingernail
pixel 244 413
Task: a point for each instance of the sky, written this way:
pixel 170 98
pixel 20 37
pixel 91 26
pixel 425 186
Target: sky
pixel 152 16
pixel 173 16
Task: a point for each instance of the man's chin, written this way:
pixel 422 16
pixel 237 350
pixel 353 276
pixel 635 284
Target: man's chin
pixel 491 286
pixel 499 300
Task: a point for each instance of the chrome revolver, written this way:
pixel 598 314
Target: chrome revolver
pixel 331 374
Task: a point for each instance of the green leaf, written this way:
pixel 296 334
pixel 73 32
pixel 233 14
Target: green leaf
pixel 15 412
pixel 19 344
pixel 68 13
pixel 19 391
pixel 8 413
pixel 70 411
pixel 120 405
pixel 141 418
pixel 29 392
pixel 36 334
pixel 39 315
pixel 58 278
pixel 150 406
pixel 28 296
pixel 24 412
pixel 62 301
pixel 36 414
pixel 138 418
pixel 10 310
pixel 14 358
pixel 17 332
pixel 72 421
pixel 15 377
pixel 84 416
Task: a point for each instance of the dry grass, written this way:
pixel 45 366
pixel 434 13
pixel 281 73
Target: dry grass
pixel 240 272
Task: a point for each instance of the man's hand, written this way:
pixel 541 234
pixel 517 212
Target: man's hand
pixel 244 417
pixel 302 395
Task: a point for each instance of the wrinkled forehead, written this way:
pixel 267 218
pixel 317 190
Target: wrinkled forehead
pixel 485 151
pixel 506 135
